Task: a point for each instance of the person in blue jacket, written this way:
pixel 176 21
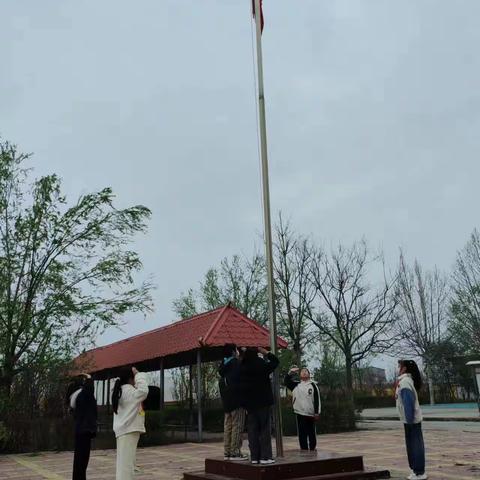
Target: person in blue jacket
pixel 406 393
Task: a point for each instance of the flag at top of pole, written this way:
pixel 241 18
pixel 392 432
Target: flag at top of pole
pixel 261 13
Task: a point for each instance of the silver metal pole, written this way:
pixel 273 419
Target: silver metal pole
pixel 199 395
pixel 268 229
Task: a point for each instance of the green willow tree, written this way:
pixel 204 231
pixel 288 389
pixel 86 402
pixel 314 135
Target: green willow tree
pixel 239 281
pixel 66 272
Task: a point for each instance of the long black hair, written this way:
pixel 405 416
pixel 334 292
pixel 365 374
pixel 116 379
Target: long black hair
pixel 412 368
pixel 229 350
pixel 250 355
pixel 124 377
pixel 74 385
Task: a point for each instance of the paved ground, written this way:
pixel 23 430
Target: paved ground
pixel 458 426
pixel 448 412
pixel 453 453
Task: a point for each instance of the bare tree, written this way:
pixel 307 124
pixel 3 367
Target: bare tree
pixel 353 314
pixel 423 314
pixel 465 324
pixel 294 291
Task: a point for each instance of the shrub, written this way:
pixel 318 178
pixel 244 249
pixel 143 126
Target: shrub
pixel 337 416
pixel 4 436
pixel 366 400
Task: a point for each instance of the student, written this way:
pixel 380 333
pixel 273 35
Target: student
pixel 408 384
pixel 81 401
pixel 258 398
pixel 130 390
pixel 306 405
pixel 229 386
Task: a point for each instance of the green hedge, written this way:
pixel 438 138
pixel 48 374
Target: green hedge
pixel 364 400
pixel 165 426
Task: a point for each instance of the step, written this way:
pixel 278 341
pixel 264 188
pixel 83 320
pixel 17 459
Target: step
pixel 293 465
pixel 355 475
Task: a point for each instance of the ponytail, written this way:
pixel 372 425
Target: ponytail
pixel 126 374
pixel 116 394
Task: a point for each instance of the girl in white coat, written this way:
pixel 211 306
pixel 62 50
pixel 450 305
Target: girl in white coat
pixel 408 384
pixel 130 390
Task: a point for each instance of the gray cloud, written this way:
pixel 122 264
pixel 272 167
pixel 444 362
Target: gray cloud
pixel 373 118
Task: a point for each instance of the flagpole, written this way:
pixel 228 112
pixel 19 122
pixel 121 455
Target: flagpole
pixel 268 227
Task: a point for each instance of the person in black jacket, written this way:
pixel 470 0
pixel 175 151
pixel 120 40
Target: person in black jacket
pixel 229 386
pixel 82 402
pixel 257 397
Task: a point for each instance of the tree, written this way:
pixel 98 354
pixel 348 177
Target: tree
pixel 294 292
pixel 332 370
pixel 423 314
pixel 356 316
pixel 239 281
pixel 65 271
pixel 465 307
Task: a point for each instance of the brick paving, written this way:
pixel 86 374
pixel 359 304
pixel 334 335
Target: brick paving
pixel 450 455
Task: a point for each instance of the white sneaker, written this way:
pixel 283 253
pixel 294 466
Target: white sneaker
pixel 226 458
pixel 411 475
pixel 254 462
pixel 267 462
pixel 419 477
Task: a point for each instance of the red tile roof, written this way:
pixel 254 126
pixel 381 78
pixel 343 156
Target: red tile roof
pixel 209 329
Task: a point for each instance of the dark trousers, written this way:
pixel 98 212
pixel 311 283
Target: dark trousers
pixel 260 434
pixel 307 435
pixel 415 447
pixel 81 456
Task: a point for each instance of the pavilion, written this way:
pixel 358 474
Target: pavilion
pixel 187 342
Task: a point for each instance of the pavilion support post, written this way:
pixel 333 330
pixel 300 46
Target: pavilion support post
pixel 162 385
pixel 108 394
pixel 199 395
pixel 190 393
pixel 103 393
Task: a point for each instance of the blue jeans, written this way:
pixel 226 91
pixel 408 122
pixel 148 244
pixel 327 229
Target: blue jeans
pixel 415 447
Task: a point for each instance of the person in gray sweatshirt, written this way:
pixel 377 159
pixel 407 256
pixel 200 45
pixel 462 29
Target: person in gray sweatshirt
pixel 306 405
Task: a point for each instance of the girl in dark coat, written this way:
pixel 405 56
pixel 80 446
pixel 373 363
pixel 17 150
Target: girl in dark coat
pixel 81 400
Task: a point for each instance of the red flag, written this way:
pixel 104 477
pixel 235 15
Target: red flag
pixel 261 13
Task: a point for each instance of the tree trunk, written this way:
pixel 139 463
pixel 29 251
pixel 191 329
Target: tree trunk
pixel 431 390
pixel 349 379
pixel 298 355
pixel 431 387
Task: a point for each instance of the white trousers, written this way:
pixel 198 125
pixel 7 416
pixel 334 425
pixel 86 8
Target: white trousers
pixel 126 454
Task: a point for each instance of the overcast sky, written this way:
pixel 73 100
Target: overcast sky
pixel 373 120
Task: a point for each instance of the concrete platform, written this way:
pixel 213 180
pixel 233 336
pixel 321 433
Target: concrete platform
pixel 294 465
